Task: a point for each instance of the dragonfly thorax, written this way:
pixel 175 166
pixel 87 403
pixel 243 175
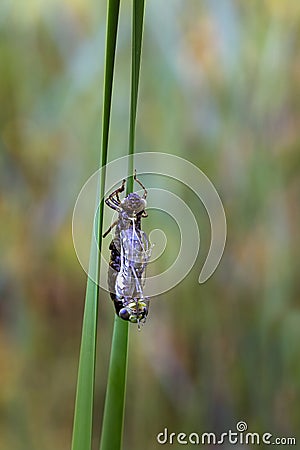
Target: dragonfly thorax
pixel 133 204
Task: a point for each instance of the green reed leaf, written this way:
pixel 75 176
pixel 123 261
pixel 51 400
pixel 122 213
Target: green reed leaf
pixel 83 414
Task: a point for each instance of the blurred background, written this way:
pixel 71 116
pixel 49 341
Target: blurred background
pixel 220 86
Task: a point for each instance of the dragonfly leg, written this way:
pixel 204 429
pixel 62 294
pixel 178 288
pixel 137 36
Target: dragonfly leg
pixel 113 200
pixel 120 189
pixel 116 193
pixel 138 221
pixel 140 183
pixel 109 229
pixel 112 205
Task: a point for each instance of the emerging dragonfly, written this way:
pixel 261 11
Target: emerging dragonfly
pixel 130 252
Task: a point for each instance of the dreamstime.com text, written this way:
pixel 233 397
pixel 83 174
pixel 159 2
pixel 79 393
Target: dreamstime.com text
pixel 239 436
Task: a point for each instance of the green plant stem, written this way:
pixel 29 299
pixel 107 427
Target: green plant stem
pixel 112 427
pixel 83 414
pixel 113 419
pixel 136 47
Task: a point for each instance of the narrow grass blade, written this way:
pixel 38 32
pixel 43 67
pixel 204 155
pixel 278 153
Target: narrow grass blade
pixel 82 429
pixel 83 414
pixel 112 428
pixel 137 34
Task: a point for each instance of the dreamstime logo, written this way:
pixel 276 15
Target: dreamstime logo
pixel 241 426
pixel 162 165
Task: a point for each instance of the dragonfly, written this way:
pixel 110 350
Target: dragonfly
pixel 130 251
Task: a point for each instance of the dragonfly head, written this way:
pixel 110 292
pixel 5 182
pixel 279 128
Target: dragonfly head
pixel 134 312
pixel 133 204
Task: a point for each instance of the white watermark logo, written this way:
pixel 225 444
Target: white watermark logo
pixel 238 436
pixel 167 167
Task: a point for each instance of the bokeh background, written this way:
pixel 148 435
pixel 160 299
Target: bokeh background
pixel 220 86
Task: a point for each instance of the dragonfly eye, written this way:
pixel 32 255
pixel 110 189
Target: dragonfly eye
pixel 124 314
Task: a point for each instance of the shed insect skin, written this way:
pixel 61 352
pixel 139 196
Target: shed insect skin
pixel 130 250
